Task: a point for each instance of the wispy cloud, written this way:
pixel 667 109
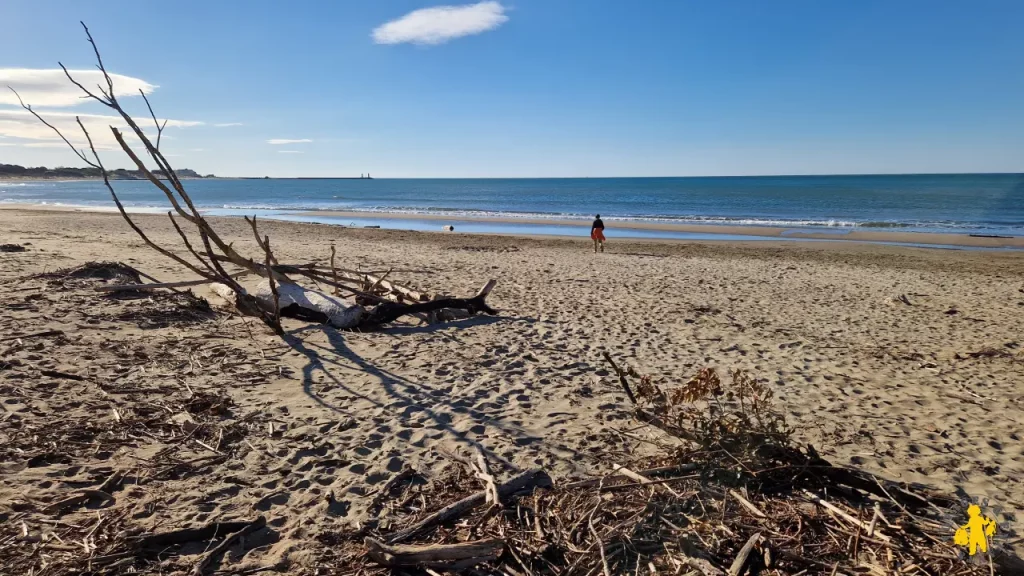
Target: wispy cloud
pixel 7 144
pixel 290 152
pixel 440 24
pixel 54 144
pixel 21 124
pixel 50 87
pixel 279 141
pixel 228 124
pixel 197 149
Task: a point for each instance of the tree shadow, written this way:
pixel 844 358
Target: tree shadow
pixel 454 326
pixel 338 355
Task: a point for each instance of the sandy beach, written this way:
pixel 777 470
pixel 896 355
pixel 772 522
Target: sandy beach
pixel 905 361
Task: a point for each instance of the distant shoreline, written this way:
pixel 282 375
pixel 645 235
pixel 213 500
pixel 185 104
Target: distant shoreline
pixel 781 232
pixel 93 178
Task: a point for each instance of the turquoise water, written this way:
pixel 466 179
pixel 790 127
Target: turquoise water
pixel 963 203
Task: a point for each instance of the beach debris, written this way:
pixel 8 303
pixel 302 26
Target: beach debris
pixel 210 256
pixel 91 274
pixel 12 248
pixel 448 228
pixel 901 299
pixel 736 494
pixel 462 555
pixel 43 334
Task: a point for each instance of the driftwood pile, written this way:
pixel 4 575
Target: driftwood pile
pixel 736 495
pixel 355 300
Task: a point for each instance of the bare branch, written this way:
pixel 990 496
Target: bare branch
pixel 256 233
pixel 99 63
pixel 124 214
pixel 273 285
pixel 83 88
pixel 159 128
pixel 77 152
pixel 188 245
pixel 152 177
pixel 334 271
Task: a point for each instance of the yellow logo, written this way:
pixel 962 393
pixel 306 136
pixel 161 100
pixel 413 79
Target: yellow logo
pixel 976 532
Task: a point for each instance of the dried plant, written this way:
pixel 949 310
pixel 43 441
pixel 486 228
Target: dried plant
pixel 739 416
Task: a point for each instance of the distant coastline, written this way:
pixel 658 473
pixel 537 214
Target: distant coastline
pixel 17 172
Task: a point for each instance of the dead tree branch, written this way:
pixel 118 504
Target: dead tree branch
pixel 278 295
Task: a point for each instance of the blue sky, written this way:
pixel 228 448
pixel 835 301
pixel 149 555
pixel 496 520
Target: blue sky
pixel 538 87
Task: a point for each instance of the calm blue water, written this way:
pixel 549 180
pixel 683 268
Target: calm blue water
pixel 965 203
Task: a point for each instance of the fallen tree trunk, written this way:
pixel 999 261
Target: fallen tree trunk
pixel 448 556
pixel 386 312
pixel 302 303
pixel 296 301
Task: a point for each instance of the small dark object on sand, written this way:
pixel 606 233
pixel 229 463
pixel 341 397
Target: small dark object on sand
pixel 988 236
pixel 11 248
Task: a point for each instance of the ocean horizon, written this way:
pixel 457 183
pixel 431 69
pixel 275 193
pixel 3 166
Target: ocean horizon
pixel 938 203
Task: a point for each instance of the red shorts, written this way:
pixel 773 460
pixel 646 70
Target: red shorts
pixel 597 234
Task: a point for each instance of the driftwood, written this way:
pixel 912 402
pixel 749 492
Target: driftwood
pixel 642 480
pixel 182 284
pixel 208 253
pixel 33 335
pixel 747 504
pixel 740 563
pixel 59 374
pixel 622 377
pixel 386 312
pixel 449 556
pixel 185 535
pixel 525 481
pixel 483 472
pixel 83 496
pixel 228 542
pixel 400 291
pixel 842 514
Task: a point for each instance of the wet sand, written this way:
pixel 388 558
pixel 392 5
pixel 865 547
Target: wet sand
pixel 838 234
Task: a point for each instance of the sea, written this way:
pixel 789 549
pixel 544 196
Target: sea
pixel 986 204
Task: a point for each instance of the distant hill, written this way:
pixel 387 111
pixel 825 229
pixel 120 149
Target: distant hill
pixel 15 171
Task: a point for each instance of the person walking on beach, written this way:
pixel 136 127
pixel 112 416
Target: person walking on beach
pixel 597 233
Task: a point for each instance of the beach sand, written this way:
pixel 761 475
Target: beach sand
pixel 928 391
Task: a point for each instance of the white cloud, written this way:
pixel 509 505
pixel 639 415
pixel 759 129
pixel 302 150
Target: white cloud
pixel 7 144
pixel 197 149
pixel 54 144
pixel 278 141
pixel 228 124
pixel 440 24
pixel 290 152
pixel 21 124
pixel 50 87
